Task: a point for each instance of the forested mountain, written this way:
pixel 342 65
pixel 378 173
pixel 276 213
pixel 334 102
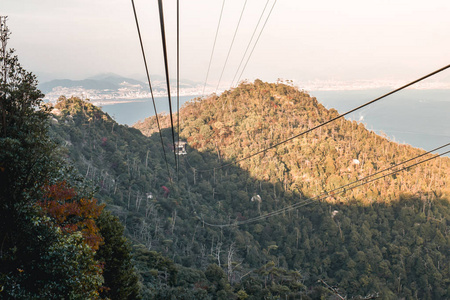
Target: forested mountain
pixel 256 116
pixel 389 238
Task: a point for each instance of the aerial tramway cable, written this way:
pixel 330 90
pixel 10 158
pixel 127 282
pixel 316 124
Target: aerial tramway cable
pixel 178 81
pixel 166 65
pixel 335 191
pixel 150 86
pixel 349 186
pixel 329 121
pixel 214 46
pixel 231 46
pixel 249 43
pixel 262 29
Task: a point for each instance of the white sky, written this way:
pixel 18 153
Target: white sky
pixel 303 40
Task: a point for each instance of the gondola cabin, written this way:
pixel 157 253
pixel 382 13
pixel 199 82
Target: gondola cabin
pixel 180 148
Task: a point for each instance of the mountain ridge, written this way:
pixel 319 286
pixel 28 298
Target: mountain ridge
pixel 359 245
pixel 253 117
pixel 110 86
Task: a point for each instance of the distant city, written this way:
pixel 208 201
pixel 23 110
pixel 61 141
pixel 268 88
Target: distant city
pixel 339 85
pixel 118 90
pixel 112 89
pixel 124 94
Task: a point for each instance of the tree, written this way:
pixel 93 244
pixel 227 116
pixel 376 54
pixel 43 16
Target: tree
pixel 121 280
pixel 27 154
pixel 158 273
pixel 48 264
pixel 219 286
pixel 73 214
pixel 38 260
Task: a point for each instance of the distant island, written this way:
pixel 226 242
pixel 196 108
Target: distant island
pixel 110 88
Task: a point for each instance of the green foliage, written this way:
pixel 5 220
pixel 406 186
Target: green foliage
pixel 219 286
pixel 388 237
pixel 27 152
pixel 38 260
pixel 48 264
pixel 120 278
pixel 255 116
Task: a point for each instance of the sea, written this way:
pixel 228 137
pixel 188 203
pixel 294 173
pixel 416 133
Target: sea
pixel 134 110
pixel 420 118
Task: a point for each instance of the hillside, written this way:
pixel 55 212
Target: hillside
pixel 390 240
pixel 256 116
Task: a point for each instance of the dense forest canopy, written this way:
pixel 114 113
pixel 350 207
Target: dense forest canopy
pixel 91 209
pixel 256 116
pixel 53 243
pixel 388 238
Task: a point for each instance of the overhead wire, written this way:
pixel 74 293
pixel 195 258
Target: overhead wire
pixel 150 86
pixel 364 183
pixel 349 186
pixel 346 113
pixel 214 46
pixel 231 46
pixel 254 46
pixel 277 144
pixel 329 121
pixel 178 81
pixel 249 43
pixel 326 194
pixel 166 66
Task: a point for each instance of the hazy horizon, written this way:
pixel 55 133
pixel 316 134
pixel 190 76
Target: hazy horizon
pixel 321 40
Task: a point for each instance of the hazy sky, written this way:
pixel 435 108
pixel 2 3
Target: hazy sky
pixel 303 40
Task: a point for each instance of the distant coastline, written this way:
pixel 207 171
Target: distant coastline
pixel 131 111
pixel 102 103
pixel 114 89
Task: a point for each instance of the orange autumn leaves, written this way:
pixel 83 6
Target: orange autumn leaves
pixel 72 213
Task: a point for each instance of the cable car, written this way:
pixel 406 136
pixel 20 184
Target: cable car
pixel 180 148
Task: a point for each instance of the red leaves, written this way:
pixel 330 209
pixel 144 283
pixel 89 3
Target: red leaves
pixel 72 214
pixel 59 191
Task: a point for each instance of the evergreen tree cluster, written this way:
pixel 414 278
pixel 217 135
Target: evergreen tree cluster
pixel 255 116
pixel 53 243
pixel 389 238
